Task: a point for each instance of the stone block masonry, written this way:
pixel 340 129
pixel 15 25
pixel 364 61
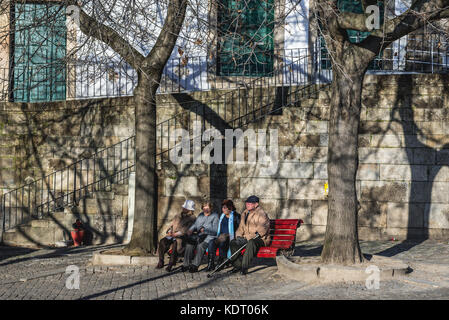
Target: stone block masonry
pixel 402 182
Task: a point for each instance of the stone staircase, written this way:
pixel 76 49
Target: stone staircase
pixel 104 213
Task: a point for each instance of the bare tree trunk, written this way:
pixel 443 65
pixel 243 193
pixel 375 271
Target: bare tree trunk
pixel 143 240
pixel 349 64
pixel 144 235
pixel 341 244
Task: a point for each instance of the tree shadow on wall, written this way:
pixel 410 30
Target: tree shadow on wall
pixel 216 116
pixel 54 136
pixel 425 160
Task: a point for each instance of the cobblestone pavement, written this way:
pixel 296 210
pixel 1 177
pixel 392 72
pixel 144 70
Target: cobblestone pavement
pixel 41 274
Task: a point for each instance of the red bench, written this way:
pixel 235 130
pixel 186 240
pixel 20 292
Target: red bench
pixel 283 238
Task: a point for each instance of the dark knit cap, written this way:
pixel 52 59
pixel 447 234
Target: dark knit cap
pixel 252 199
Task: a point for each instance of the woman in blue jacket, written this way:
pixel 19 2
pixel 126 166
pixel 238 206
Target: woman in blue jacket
pixel 227 225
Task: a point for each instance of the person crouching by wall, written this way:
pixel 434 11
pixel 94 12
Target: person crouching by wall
pixel 228 224
pixel 253 219
pixel 205 226
pixel 176 235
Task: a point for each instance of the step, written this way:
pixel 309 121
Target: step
pixel 44 223
pixel 81 210
pixel 51 222
pixel 37 237
pixel 107 195
pixel 25 224
pixel 55 220
pixel 30 236
pixel 59 215
pixel 94 206
pixel 120 189
pixel 21 244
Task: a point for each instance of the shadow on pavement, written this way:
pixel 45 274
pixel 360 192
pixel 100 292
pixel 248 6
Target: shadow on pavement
pixel 257 265
pixel 308 250
pixel 314 250
pixel 400 247
pixel 99 294
pixel 22 254
pixel 8 252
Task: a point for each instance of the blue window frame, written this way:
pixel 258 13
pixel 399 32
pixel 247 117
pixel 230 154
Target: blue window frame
pixel 39 50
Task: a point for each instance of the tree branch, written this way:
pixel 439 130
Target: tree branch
pixel 354 21
pixel 91 27
pixel 166 40
pixel 420 12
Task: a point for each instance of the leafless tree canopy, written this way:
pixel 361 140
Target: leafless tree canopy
pixel 106 32
pixel 398 19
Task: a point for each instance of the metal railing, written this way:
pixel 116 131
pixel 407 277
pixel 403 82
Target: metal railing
pixel 252 100
pixel 67 186
pixel 236 108
pixel 425 53
pixel 200 73
pixel 84 79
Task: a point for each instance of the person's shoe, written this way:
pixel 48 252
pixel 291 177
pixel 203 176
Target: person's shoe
pixel 193 268
pixel 219 265
pixel 169 267
pixel 234 270
pixel 210 264
pixel 220 260
pixel 160 265
pixel 184 268
pixel 243 271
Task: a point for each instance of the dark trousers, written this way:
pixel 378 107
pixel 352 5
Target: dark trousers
pixel 252 247
pixel 166 244
pixel 222 242
pixel 200 250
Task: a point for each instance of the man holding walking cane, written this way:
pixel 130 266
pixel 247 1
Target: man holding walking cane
pixel 253 219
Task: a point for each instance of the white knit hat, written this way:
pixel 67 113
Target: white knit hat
pixel 189 205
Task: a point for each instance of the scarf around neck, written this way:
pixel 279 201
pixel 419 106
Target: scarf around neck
pixel 230 228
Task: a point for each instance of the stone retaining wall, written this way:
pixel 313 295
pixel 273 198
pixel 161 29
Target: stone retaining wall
pixel 403 175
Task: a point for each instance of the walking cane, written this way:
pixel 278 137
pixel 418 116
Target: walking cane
pixel 235 253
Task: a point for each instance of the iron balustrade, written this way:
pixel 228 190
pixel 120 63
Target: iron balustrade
pixel 84 79
pixel 415 53
pixel 425 53
pixel 67 186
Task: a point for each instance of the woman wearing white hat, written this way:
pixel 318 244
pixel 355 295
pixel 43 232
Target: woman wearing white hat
pixel 176 235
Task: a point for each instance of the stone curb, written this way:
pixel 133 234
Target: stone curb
pixel 313 272
pixel 430 267
pixel 100 259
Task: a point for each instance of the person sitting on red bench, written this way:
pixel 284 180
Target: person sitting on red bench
pixel 229 223
pixel 253 219
pixel 176 235
pixel 205 225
